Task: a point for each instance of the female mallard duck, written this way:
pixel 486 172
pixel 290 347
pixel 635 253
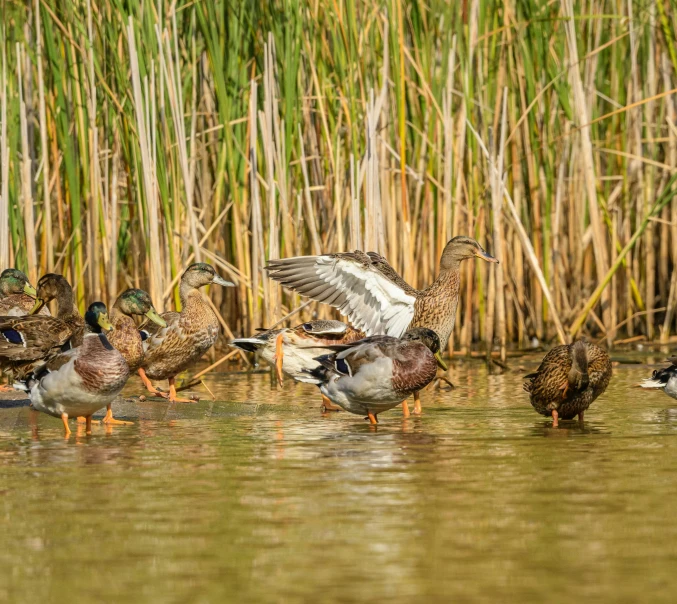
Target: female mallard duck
pixel 55 287
pixel 568 380
pixel 125 336
pixel 188 334
pixel 376 300
pixel 80 381
pixel 293 350
pixel 665 379
pixel 17 295
pixel 378 373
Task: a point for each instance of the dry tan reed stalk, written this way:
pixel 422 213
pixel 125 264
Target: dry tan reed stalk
pixel 4 163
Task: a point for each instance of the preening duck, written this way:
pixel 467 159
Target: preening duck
pixel 80 381
pixel 568 380
pixel 187 335
pixel 378 373
pixel 293 350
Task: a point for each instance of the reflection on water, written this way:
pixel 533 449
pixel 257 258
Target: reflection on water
pixel 257 497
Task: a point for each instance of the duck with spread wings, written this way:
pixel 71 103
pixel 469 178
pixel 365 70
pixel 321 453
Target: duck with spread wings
pixel 366 289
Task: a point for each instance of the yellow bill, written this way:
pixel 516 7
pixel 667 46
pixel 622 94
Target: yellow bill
pixel 104 322
pixel 153 315
pixel 440 361
pixel 37 306
pixel 30 290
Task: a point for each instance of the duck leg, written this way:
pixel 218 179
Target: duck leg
pixel 111 421
pixel 83 420
pixel 405 410
pixel 372 418
pixel 555 416
pixel 327 405
pixel 64 419
pixel 279 358
pixel 149 385
pixel 580 416
pixel 88 424
pixel 172 394
pixel 417 403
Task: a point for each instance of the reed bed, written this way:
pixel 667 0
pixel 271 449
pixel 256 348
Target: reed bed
pixel 136 137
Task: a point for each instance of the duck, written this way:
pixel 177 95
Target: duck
pixel 378 373
pixel 81 380
pixel 568 380
pixel 292 351
pixel 125 336
pixel 367 290
pixel 55 287
pixel 187 335
pixel 17 295
pixel 664 379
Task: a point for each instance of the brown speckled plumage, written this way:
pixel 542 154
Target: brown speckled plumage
pixel 43 337
pixel 561 383
pixel 125 336
pixel 188 335
pixel 374 297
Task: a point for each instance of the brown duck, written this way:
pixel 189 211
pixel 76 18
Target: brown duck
pixel 369 291
pixel 35 338
pixel 187 336
pixel 568 380
pixel 125 335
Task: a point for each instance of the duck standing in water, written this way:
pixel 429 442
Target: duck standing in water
pixel 187 335
pixel 378 373
pixel 369 291
pixel 568 380
pixel 293 351
pixel 80 381
pixel 664 379
pixel 125 336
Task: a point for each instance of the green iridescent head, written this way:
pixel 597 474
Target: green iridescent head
pixel 13 281
pixel 138 302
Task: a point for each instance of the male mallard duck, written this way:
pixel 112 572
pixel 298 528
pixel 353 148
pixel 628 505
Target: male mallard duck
pixel 369 291
pixel 293 350
pixel 17 295
pixel 188 334
pixel 568 380
pixel 80 381
pixel 125 336
pixel 378 373
pixel 665 379
pixel 55 287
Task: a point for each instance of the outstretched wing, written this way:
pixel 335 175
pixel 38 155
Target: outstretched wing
pixel 350 282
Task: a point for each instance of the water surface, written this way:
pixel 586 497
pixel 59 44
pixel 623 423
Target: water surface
pixel 257 497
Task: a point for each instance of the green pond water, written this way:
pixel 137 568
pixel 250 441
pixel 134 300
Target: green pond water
pixel 256 497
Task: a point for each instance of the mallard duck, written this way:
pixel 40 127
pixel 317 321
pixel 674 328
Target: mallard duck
pixel 293 350
pixel 568 380
pixel 55 287
pixel 80 381
pixel 17 295
pixel 188 334
pixel 369 291
pixel 35 339
pixel 665 379
pixel 125 336
pixel 378 373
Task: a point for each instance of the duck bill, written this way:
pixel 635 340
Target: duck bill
pixel 104 322
pixel 219 281
pixel 29 290
pixel 485 256
pixel 37 307
pixel 440 362
pixel 153 315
